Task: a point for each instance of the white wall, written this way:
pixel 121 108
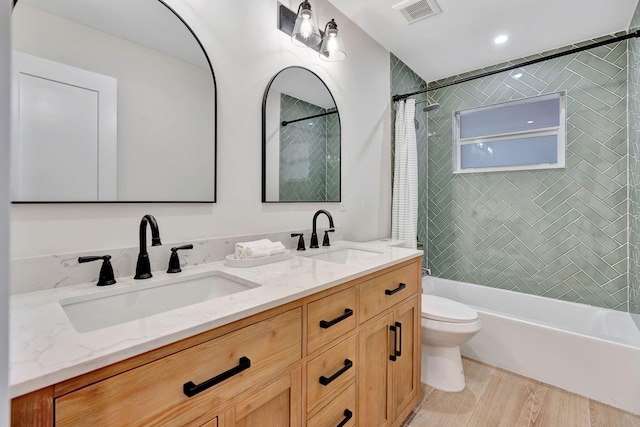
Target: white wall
pixel 5 11
pixel 247 50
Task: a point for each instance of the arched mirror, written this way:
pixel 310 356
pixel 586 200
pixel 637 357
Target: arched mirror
pixel 113 101
pixel 300 139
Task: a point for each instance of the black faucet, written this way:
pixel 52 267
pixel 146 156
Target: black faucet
pixel 314 235
pixel 143 267
pixel 300 241
pixel 106 271
pixel 174 261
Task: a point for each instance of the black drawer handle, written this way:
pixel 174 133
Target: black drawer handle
pixel 399 349
pixel 324 324
pixel 190 389
pixel 347 365
pixel 394 353
pixel 347 416
pixel 400 287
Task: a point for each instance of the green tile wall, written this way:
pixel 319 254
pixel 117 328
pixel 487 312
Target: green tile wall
pixel 555 233
pixel 634 171
pixel 304 161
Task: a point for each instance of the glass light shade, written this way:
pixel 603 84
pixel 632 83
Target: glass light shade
pixel 305 31
pixel 332 48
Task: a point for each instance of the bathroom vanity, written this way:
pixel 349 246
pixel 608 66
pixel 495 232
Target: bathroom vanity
pixel 323 340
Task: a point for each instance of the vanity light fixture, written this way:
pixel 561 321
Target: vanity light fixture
pixel 332 49
pixel 304 31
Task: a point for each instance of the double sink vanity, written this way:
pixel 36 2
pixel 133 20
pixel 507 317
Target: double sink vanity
pixel 328 337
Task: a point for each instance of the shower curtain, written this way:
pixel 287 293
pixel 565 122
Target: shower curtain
pixel 404 215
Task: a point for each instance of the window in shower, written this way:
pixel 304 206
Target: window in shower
pixel 516 135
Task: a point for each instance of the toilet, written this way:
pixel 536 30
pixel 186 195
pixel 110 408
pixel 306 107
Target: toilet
pixel 445 325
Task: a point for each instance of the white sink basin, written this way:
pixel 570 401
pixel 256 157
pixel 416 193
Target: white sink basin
pixel 346 255
pixel 93 312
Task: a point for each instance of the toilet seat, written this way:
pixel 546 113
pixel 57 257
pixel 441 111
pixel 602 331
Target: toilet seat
pixel 446 310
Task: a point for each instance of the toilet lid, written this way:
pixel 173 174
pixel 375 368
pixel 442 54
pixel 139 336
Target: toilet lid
pixel 446 310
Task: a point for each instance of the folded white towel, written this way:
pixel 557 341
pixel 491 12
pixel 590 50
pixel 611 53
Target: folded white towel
pixel 258 249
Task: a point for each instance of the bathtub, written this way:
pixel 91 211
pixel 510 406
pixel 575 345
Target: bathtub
pixel 591 351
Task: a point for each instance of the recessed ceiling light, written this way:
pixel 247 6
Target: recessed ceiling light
pixel 501 39
pixel 529 121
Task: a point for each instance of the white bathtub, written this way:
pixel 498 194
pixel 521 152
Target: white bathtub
pixel 594 352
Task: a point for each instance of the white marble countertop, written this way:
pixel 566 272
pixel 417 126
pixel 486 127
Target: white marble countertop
pixel 45 348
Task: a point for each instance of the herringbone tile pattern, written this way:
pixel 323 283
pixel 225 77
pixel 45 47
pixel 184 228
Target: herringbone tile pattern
pixel 556 233
pixel 303 153
pixel 634 172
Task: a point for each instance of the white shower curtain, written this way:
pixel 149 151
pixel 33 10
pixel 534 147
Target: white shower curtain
pixel 404 215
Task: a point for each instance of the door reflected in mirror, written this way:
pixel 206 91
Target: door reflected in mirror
pixel 301 139
pixel 113 101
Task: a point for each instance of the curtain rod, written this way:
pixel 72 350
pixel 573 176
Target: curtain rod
pixel 285 122
pixel 524 64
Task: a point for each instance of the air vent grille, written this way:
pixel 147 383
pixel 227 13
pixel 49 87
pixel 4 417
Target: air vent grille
pixel 416 10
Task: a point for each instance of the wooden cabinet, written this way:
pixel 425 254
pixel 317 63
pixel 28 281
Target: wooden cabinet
pixel 324 360
pixel 375 375
pixel 331 317
pixel 384 291
pixel 339 412
pixel 389 353
pixel 175 387
pixel 278 403
pixel 330 372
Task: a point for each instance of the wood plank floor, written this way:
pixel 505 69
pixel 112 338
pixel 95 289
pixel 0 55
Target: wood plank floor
pixel 494 397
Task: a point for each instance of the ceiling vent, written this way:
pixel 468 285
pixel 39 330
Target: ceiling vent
pixel 416 10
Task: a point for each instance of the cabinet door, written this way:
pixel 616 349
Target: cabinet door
pixel 278 404
pixel 406 367
pixel 374 374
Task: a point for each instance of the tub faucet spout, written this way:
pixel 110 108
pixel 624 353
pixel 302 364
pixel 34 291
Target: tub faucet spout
pixel 143 267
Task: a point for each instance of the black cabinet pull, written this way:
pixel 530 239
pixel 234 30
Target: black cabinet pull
pixel 394 354
pixel 347 365
pixel 190 389
pixel 399 349
pixel 324 324
pixel 347 416
pixel 400 287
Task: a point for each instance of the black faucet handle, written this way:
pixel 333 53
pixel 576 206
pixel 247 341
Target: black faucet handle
pixel 174 261
pixel 325 240
pixel 106 271
pixel 300 241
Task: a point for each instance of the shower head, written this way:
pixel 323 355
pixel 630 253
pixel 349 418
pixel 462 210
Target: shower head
pixel 431 107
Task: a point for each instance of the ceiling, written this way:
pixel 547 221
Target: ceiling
pixel 460 38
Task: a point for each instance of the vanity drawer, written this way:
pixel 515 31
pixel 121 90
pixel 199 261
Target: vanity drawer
pixel 155 393
pixel 335 368
pixel 330 317
pixel 340 411
pixel 382 292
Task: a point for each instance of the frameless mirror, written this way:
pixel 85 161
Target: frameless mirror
pixel 113 101
pixel 300 139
